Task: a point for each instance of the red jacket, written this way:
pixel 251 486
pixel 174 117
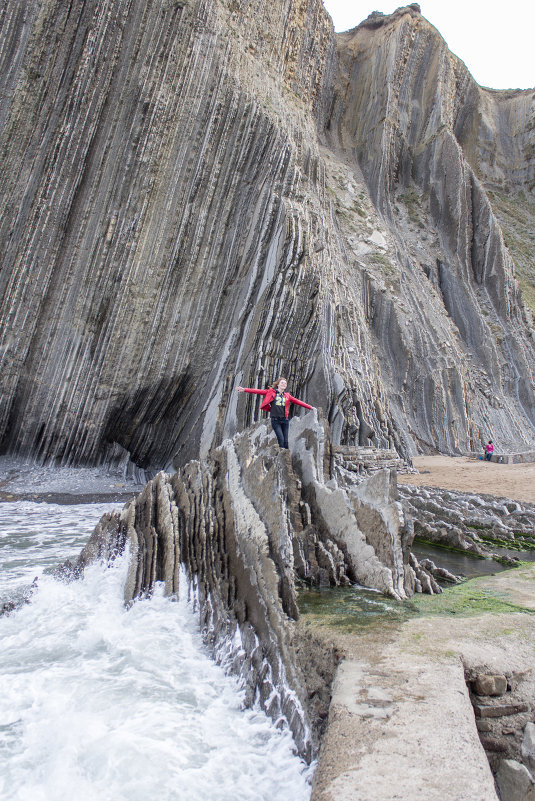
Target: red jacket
pixel 270 394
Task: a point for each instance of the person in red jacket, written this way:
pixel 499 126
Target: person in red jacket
pixel 277 403
pixel 489 450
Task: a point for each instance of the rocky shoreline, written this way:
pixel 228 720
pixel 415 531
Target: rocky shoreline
pixel 250 523
pixel 471 523
pixel 25 480
pixel 247 523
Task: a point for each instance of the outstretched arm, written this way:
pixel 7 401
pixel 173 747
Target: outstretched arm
pixel 252 391
pixel 300 402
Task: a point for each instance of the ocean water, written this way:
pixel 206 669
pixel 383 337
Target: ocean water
pixel 103 702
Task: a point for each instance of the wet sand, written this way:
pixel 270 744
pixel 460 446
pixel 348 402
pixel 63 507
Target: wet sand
pixel 68 498
pixel 24 480
pixel 514 481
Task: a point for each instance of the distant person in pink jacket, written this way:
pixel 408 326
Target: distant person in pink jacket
pixel 489 450
pixel 277 403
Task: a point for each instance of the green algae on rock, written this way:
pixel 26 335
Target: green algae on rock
pixel 466 599
pixel 349 609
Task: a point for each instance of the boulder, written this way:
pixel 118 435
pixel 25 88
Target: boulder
pixel 515 782
pixel 528 746
pixel 488 684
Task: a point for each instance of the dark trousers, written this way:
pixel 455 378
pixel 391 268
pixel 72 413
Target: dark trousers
pixel 280 427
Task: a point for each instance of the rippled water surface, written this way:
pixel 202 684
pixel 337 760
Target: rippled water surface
pixel 100 702
pixel 467 565
pixel 351 607
pixel 35 537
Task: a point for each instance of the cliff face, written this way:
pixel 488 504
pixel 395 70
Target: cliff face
pixel 151 223
pixel 428 140
pixel 200 194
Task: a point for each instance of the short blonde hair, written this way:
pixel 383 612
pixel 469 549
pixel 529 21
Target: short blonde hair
pixel 276 383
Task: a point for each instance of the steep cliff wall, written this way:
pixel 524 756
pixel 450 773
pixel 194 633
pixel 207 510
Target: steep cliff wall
pixel 198 194
pixel 455 341
pixel 156 159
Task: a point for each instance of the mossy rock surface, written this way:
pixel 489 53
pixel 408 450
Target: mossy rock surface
pixel 468 598
pixel 516 214
pixel 351 608
pixel 355 609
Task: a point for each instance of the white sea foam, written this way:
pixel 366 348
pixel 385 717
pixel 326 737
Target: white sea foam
pixel 100 702
pixel 35 537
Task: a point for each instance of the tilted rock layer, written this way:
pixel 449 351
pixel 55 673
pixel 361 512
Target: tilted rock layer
pixel 197 194
pixel 244 523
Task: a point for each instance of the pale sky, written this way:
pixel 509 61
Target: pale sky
pixel 494 39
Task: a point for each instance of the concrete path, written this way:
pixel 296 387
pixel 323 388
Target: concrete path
pixel 401 724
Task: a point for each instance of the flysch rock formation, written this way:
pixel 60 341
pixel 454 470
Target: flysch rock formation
pixel 450 329
pixel 201 193
pixel 471 523
pixel 246 524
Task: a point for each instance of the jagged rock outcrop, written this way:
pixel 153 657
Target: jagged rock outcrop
pixel 202 193
pixel 469 522
pixel 245 523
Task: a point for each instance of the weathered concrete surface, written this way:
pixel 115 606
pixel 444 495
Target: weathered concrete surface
pixel 401 726
pixel 516 585
pixel 401 723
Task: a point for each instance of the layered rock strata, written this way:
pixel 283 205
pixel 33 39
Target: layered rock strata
pixel 156 226
pixel 443 305
pixel 204 193
pixel 504 712
pixel 470 522
pixel 245 524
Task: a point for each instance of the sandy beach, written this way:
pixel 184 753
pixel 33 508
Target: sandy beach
pixel 515 481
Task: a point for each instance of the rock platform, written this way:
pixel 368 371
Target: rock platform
pixel 402 722
pixel 367 459
pixel 525 457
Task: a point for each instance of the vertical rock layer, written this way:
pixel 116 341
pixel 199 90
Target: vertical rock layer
pixel 452 331
pixel 244 523
pixel 198 194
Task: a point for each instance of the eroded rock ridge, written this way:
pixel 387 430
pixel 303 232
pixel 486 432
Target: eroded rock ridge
pixel 247 524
